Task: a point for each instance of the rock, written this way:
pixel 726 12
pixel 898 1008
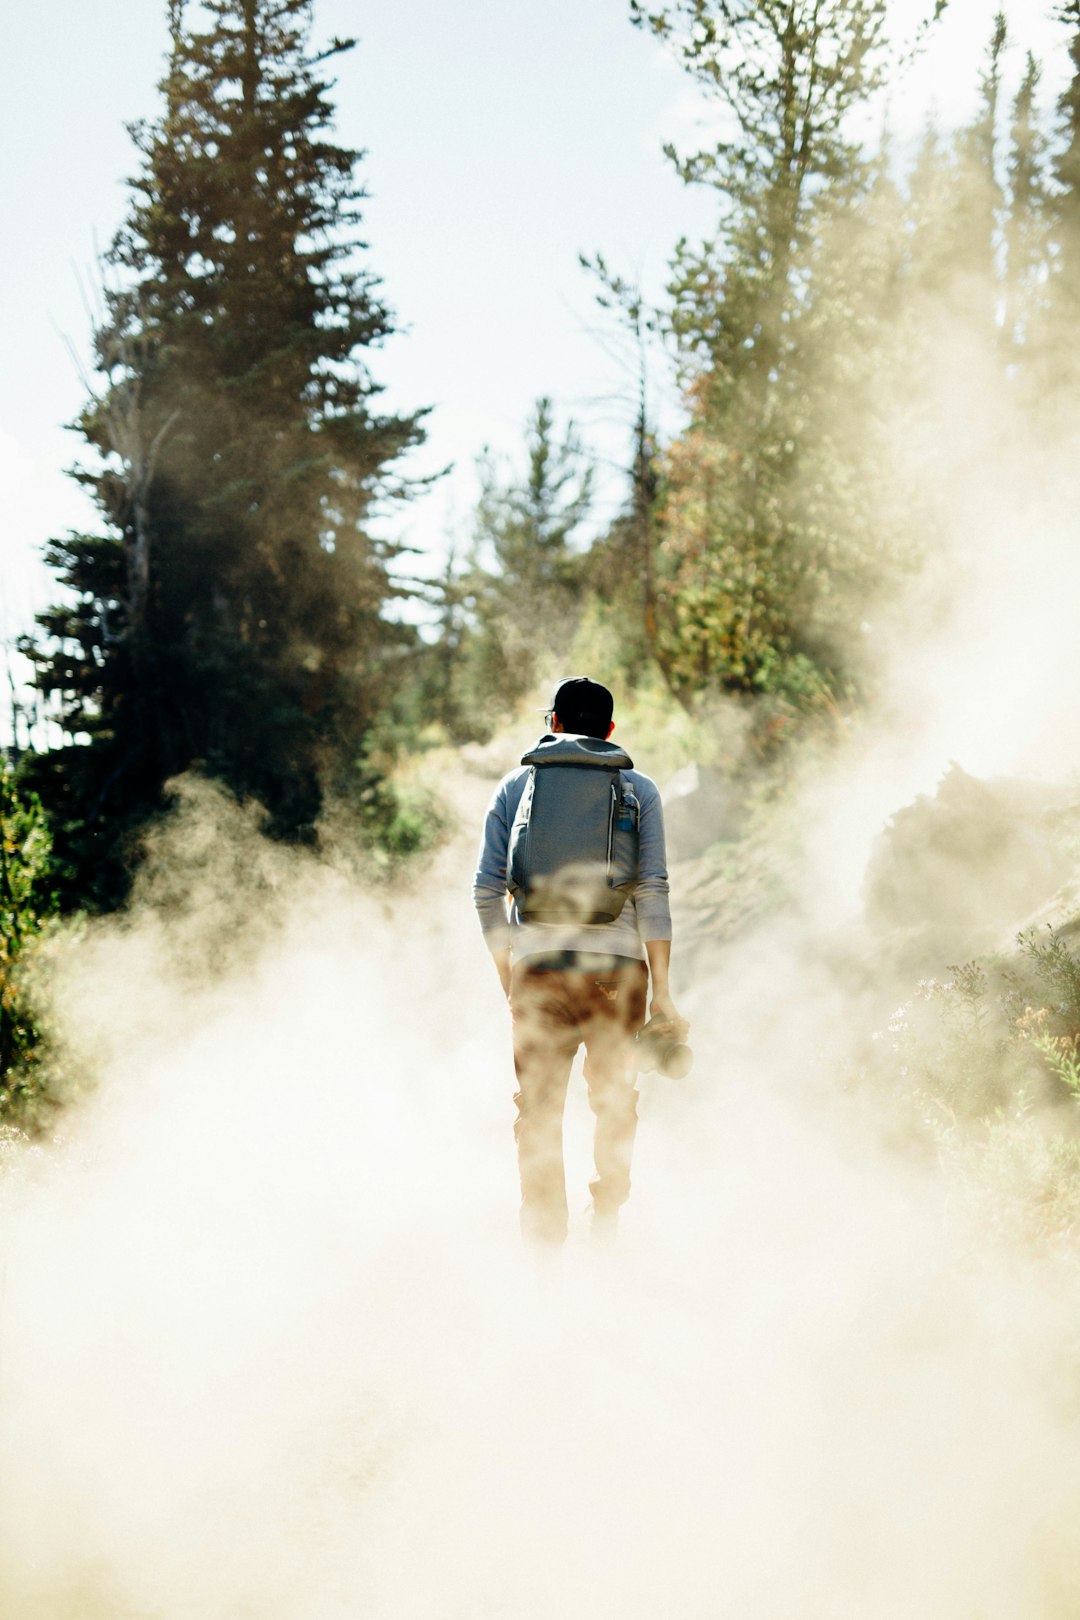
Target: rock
pixel 956 868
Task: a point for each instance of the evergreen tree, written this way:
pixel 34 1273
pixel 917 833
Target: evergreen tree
pixel 737 585
pixel 1026 255
pixel 785 76
pixel 231 613
pixel 1067 160
pixel 525 586
pixel 1063 209
pixel 622 565
pixel 929 260
pixel 977 199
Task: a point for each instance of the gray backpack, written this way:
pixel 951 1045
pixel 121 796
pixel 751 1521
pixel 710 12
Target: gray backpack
pixel 573 855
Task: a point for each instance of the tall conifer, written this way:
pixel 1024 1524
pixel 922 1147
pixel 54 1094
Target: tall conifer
pixel 976 203
pixel 1026 255
pixel 528 605
pixel 231 613
pixel 1064 221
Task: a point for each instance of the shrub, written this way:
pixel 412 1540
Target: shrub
pixel 27 905
pixel 986 1067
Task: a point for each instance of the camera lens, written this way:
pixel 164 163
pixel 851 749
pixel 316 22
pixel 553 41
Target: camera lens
pixel 677 1062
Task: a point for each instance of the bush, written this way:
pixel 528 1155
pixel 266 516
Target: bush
pixel 986 1067
pixel 27 906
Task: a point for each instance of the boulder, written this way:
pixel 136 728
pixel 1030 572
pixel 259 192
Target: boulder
pixel 957 867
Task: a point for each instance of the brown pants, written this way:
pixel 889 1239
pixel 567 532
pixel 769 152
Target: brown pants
pixel 601 1002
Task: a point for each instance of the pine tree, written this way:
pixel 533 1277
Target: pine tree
pixel 622 566
pixel 1026 245
pixel 1067 160
pixel 1063 210
pixel 930 257
pixel 976 201
pixel 231 614
pixel 525 584
pixel 785 75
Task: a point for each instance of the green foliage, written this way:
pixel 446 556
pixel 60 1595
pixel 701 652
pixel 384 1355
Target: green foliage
pixel 1026 226
pixel 957 1042
pixel 528 525
pixel 806 326
pixel 512 609
pixel 994 1028
pixel 1019 1180
pixel 27 904
pixel 785 76
pixel 972 222
pixel 760 551
pixel 987 1066
pixel 230 615
pixel 1066 166
pixel 765 555
pixel 400 817
pixel 1057 971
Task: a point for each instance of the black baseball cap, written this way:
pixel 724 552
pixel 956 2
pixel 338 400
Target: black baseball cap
pixel 582 705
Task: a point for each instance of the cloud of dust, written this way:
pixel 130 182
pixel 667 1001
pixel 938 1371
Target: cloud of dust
pixel 980 657
pixel 270 1345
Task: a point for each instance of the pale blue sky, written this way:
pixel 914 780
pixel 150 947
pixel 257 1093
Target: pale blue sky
pixel 502 137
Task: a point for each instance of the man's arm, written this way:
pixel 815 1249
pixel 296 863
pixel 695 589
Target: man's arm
pixel 654 911
pixel 489 885
pixel 661 1004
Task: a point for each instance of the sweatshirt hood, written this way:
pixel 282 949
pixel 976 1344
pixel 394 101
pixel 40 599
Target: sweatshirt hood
pixel 567 748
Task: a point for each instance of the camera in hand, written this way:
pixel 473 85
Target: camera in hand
pixel 657 1049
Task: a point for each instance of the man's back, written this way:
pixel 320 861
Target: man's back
pixel 645 915
pixel 570 983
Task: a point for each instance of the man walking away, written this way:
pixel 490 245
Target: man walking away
pixel 574 839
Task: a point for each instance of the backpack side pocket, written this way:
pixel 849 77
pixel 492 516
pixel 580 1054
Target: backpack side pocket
pixel 626 839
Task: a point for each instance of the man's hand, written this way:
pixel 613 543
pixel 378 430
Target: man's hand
pixel 662 1008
